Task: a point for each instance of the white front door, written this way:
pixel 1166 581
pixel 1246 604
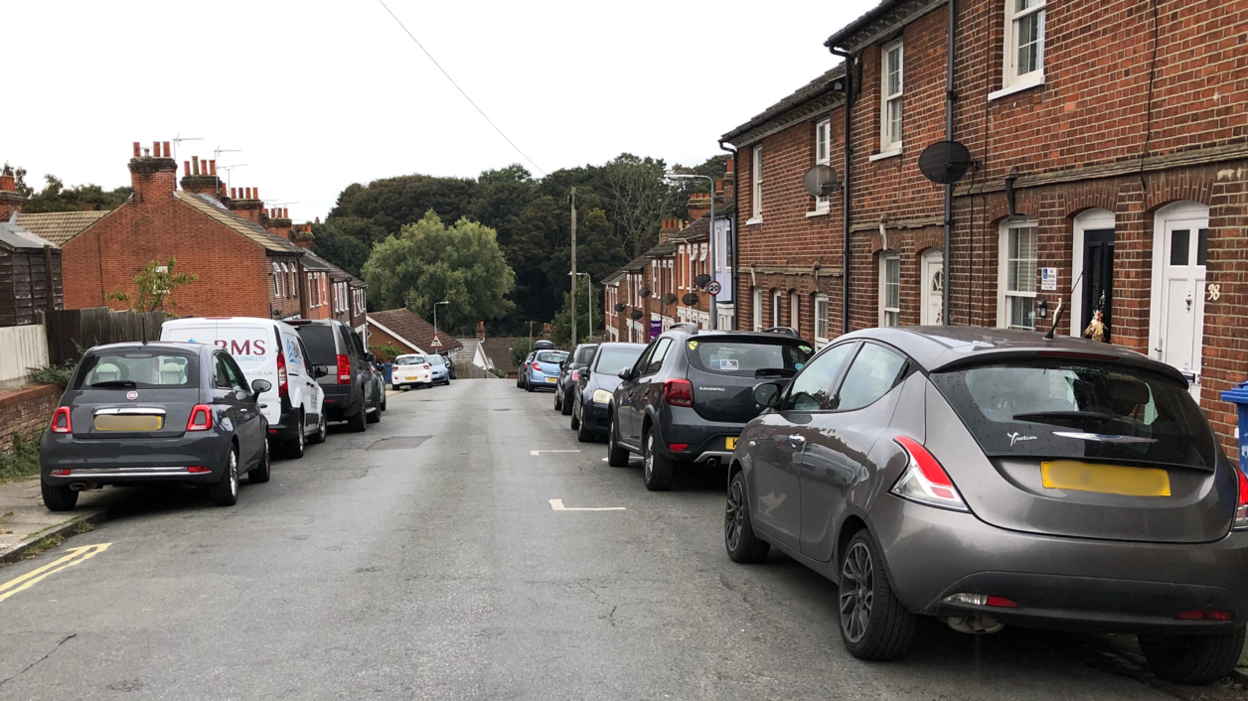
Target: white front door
pixel 1181 307
pixel 933 289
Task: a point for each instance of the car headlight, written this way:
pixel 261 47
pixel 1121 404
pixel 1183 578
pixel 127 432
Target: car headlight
pixel 602 396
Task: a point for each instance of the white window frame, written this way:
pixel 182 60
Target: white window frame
pixel 777 307
pixel 1011 80
pixel 795 311
pixel 887 258
pixel 1004 294
pixel 888 145
pixel 756 190
pixel 823 157
pixel 822 327
pixel 758 309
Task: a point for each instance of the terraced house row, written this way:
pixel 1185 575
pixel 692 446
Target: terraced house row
pixel 1106 167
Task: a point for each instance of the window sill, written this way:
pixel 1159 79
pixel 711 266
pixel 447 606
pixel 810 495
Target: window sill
pixel 819 213
pixel 1021 86
pixel 753 221
pixel 887 154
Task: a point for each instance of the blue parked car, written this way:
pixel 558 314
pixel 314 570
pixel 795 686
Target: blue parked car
pixel 542 370
pixel 441 371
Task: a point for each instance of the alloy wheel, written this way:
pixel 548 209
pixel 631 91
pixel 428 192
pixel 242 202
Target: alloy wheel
pixel 734 516
pixel 649 459
pixel 234 472
pixel 857 591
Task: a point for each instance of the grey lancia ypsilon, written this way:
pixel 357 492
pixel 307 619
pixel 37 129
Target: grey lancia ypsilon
pixel 991 477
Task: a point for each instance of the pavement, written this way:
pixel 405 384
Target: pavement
pixel 424 559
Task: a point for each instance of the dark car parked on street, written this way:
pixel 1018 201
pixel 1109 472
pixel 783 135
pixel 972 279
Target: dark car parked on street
pixel 581 356
pixel 691 392
pixel 155 412
pixel 350 391
pixel 991 477
pixel 591 395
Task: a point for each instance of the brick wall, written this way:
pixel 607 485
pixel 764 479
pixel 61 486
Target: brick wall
pixel 25 412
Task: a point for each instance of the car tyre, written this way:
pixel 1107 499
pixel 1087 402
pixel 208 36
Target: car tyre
pixel 658 470
pixel 743 546
pixel 583 434
pixel 874 624
pixel 565 405
pixel 224 492
pixel 294 448
pixel 58 497
pixel 263 471
pixel 528 386
pixel 375 416
pixel 1193 659
pixel 617 455
pixel 358 422
pixel 322 431
pixel 383 398
pixel 559 402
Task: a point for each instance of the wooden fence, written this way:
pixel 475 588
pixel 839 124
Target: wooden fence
pixel 72 331
pixel 21 348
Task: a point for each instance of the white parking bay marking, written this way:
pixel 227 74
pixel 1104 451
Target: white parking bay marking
pixel 539 452
pixel 557 505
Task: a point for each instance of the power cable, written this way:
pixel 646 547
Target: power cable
pixel 461 90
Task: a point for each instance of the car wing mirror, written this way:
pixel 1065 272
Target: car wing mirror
pixel 626 375
pixel 320 371
pixel 259 387
pixel 767 394
pixel 368 356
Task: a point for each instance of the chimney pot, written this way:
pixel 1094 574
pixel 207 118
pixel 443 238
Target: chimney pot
pixel 255 192
pixel 186 166
pixel 195 164
pixel 212 168
pixel 233 193
pixel 167 151
pixel 730 165
pixel 136 149
pixel 156 149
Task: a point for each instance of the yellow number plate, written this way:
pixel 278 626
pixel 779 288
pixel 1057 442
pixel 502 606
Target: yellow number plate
pixel 730 443
pixel 552 379
pixel 1107 479
pixel 115 422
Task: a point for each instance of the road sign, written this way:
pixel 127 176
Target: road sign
pixel 437 343
pixel 713 288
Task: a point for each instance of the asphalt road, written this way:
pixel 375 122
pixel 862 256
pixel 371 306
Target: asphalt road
pixel 423 560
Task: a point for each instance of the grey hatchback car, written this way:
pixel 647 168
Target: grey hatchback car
pixel 992 477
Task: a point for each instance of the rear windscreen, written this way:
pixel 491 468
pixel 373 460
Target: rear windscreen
pixel 749 358
pixel 138 370
pixel 585 355
pixel 436 360
pixel 1081 410
pixel 614 359
pixel 551 356
pixel 410 360
pixel 319 340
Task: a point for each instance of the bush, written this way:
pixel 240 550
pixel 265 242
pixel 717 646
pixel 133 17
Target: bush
pixel 520 350
pixel 59 375
pixel 498 373
pixel 23 462
pixel 386 354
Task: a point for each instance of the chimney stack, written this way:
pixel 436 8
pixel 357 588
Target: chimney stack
pixel 481 331
pixel 303 236
pixel 154 177
pixel 198 180
pixel 699 205
pixel 10 199
pixel 248 205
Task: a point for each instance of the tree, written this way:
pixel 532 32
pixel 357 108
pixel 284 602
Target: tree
pixel 19 175
pixel 156 284
pixel 429 262
pixel 394 202
pixel 55 197
pixel 347 242
pixel 640 197
pixel 561 329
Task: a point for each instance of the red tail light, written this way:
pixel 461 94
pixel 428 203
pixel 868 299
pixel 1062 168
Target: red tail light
pixel 576 375
pixel 198 469
pixel 1241 505
pixel 678 392
pixel 427 366
pixel 1205 615
pixel 201 418
pixel 283 388
pixel 344 370
pixel 1002 602
pixel 677 447
pixel 537 365
pixel 61 421
pixel 924 480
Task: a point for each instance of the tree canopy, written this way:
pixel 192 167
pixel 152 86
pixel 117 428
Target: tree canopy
pixel 55 197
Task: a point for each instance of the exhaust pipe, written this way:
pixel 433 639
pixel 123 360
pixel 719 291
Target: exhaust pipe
pixel 713 462
pixel 974 624
pixel 79 486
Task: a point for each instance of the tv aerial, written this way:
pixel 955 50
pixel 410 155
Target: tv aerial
pixel 821 181
pixel 945 162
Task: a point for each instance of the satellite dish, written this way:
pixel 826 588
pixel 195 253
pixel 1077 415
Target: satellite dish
pixel 701 280
pixel 690 299
pixel 820 181
pixel 945 162
pixel 637 314
pixel 644 292
pixel 619 307
pixel 669 298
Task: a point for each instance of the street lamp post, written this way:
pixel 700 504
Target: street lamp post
pixel 714 261
pixel 435 317
pixel 589 290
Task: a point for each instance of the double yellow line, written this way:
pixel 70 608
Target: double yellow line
pixel 26 581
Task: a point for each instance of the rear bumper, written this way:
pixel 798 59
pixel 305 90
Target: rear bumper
pixel 412 379
pixel 539 380
pixel 1066 583
pixel 133 461
pixel 705 439
pixel 340 402
pixel 288 426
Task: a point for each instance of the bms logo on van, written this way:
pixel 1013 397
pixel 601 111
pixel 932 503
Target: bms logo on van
pixel 243 348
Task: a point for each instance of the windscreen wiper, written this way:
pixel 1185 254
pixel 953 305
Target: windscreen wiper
pixel 1061 418
pixel 774 372
pixel 126 384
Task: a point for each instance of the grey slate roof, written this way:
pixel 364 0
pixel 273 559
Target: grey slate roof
pixel 241 225
pixel 16 237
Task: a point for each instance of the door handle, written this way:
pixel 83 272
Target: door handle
pixel 796 441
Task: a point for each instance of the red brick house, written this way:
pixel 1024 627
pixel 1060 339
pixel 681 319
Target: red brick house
pixel 243 269
pixel 1111 150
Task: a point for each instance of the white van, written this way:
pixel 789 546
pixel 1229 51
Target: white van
pixel 269 350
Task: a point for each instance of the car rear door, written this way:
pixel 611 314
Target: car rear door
pixel 838 442
pixel 251 426
pixel 724 370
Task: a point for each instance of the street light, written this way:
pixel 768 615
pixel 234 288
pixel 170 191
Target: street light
pixel 714 261
pixel 589 289
pixel 435 318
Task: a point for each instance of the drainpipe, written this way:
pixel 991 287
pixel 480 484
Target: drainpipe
pixel 950 97
pixel 732 232
pixel 846 253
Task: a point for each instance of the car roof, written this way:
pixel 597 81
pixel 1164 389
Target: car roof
pixel 753 335
pixel 137 345
pixel 621 344
pixel 938 348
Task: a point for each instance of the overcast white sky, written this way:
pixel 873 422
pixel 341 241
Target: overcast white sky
pixel 319 94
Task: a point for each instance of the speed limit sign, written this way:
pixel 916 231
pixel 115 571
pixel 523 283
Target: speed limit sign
pixel 713 287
